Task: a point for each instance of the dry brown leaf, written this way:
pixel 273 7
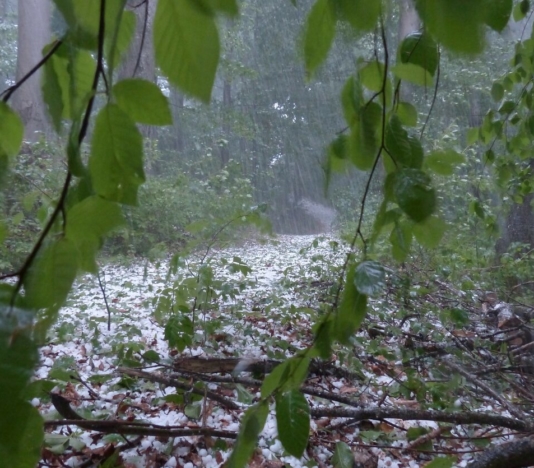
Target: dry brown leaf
pixel 463 333
pixel 349 389
pixel 407 403
pixel 385 427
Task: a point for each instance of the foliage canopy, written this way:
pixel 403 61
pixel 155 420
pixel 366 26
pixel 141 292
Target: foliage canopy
pixel 80 92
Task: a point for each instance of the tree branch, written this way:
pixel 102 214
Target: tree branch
pixel 408 414
pixel 515 454
pixel 9 91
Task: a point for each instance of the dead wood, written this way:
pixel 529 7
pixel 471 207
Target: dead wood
pixel 197 365
pixel 515 454
pixel 160 378
pixel 118 426
pixel 409 414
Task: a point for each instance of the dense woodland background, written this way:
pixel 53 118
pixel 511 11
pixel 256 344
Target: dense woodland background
pixel 265 132
pixel 270 152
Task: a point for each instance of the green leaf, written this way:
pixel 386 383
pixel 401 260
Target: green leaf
pixel 81 67
pixel 55 83
pixel 336 158
pixel 51 275
pixel 444 162
pixel 343 456
pixel 414 433
pixel 489 157
pixel 92 217
pixel 83 20
pixel 143 101
pixel 4 168
pixel 418 155
pixel 3 231
pixel 520 10
pixel 322 343
pixel 498 13
pixel 186 44
pixel 414 194
pixel 83 25
pixel 228 7
pixel 413 73
pixel 20 446
pixel 243 395
pixel 458 316
pixel 275 379
pixel 116 160
pixel 123 33
pixel 67 83
pixel 319 34
pixel 420 49
pixel 383 218
pixel 372 75
pixel 193 411
pixel 397 143
pixel 352 100
pixel 288 375
pixel 457 24
pixel 472 136
pixel 352 309
pixel 11 131
pixel 476 207
pixel 251 426
pixel 497 92
pixel 151 356
pixel 401 241
pixel 507 107
pixel 441 462
pixel 363 138
pixel 370 278
pixel 293 421
pixel 430 231
pixel 407 114
pixel 361 14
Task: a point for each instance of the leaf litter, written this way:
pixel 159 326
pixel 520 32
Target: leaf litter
pixel 259 304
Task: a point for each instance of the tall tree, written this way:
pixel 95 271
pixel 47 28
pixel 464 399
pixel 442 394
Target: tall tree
pixel 33 35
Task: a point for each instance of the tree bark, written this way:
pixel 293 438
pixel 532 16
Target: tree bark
pixel 176 99
pixel 409 20
pixel 33 35
pixel 227 105
pixel 515 454
pixel 519 225
pixel 139 61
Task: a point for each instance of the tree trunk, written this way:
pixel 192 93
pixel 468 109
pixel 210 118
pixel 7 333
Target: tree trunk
pixel 408 23
pixel 227 104
pixel 176 99
pixel 139 61
pixel 33 35
pixel 519 226
pixel 409 20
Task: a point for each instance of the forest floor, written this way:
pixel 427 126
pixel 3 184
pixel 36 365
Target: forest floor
pixel 386 398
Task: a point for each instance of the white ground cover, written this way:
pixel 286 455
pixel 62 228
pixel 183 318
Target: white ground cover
pixel 267 313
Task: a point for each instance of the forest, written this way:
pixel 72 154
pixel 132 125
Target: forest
pixel 292 233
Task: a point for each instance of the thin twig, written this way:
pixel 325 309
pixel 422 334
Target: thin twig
pixel 103 289
pixel 129 428
pixel 409 414
pixel 176 383
pixel 9 91
pixel 469 376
